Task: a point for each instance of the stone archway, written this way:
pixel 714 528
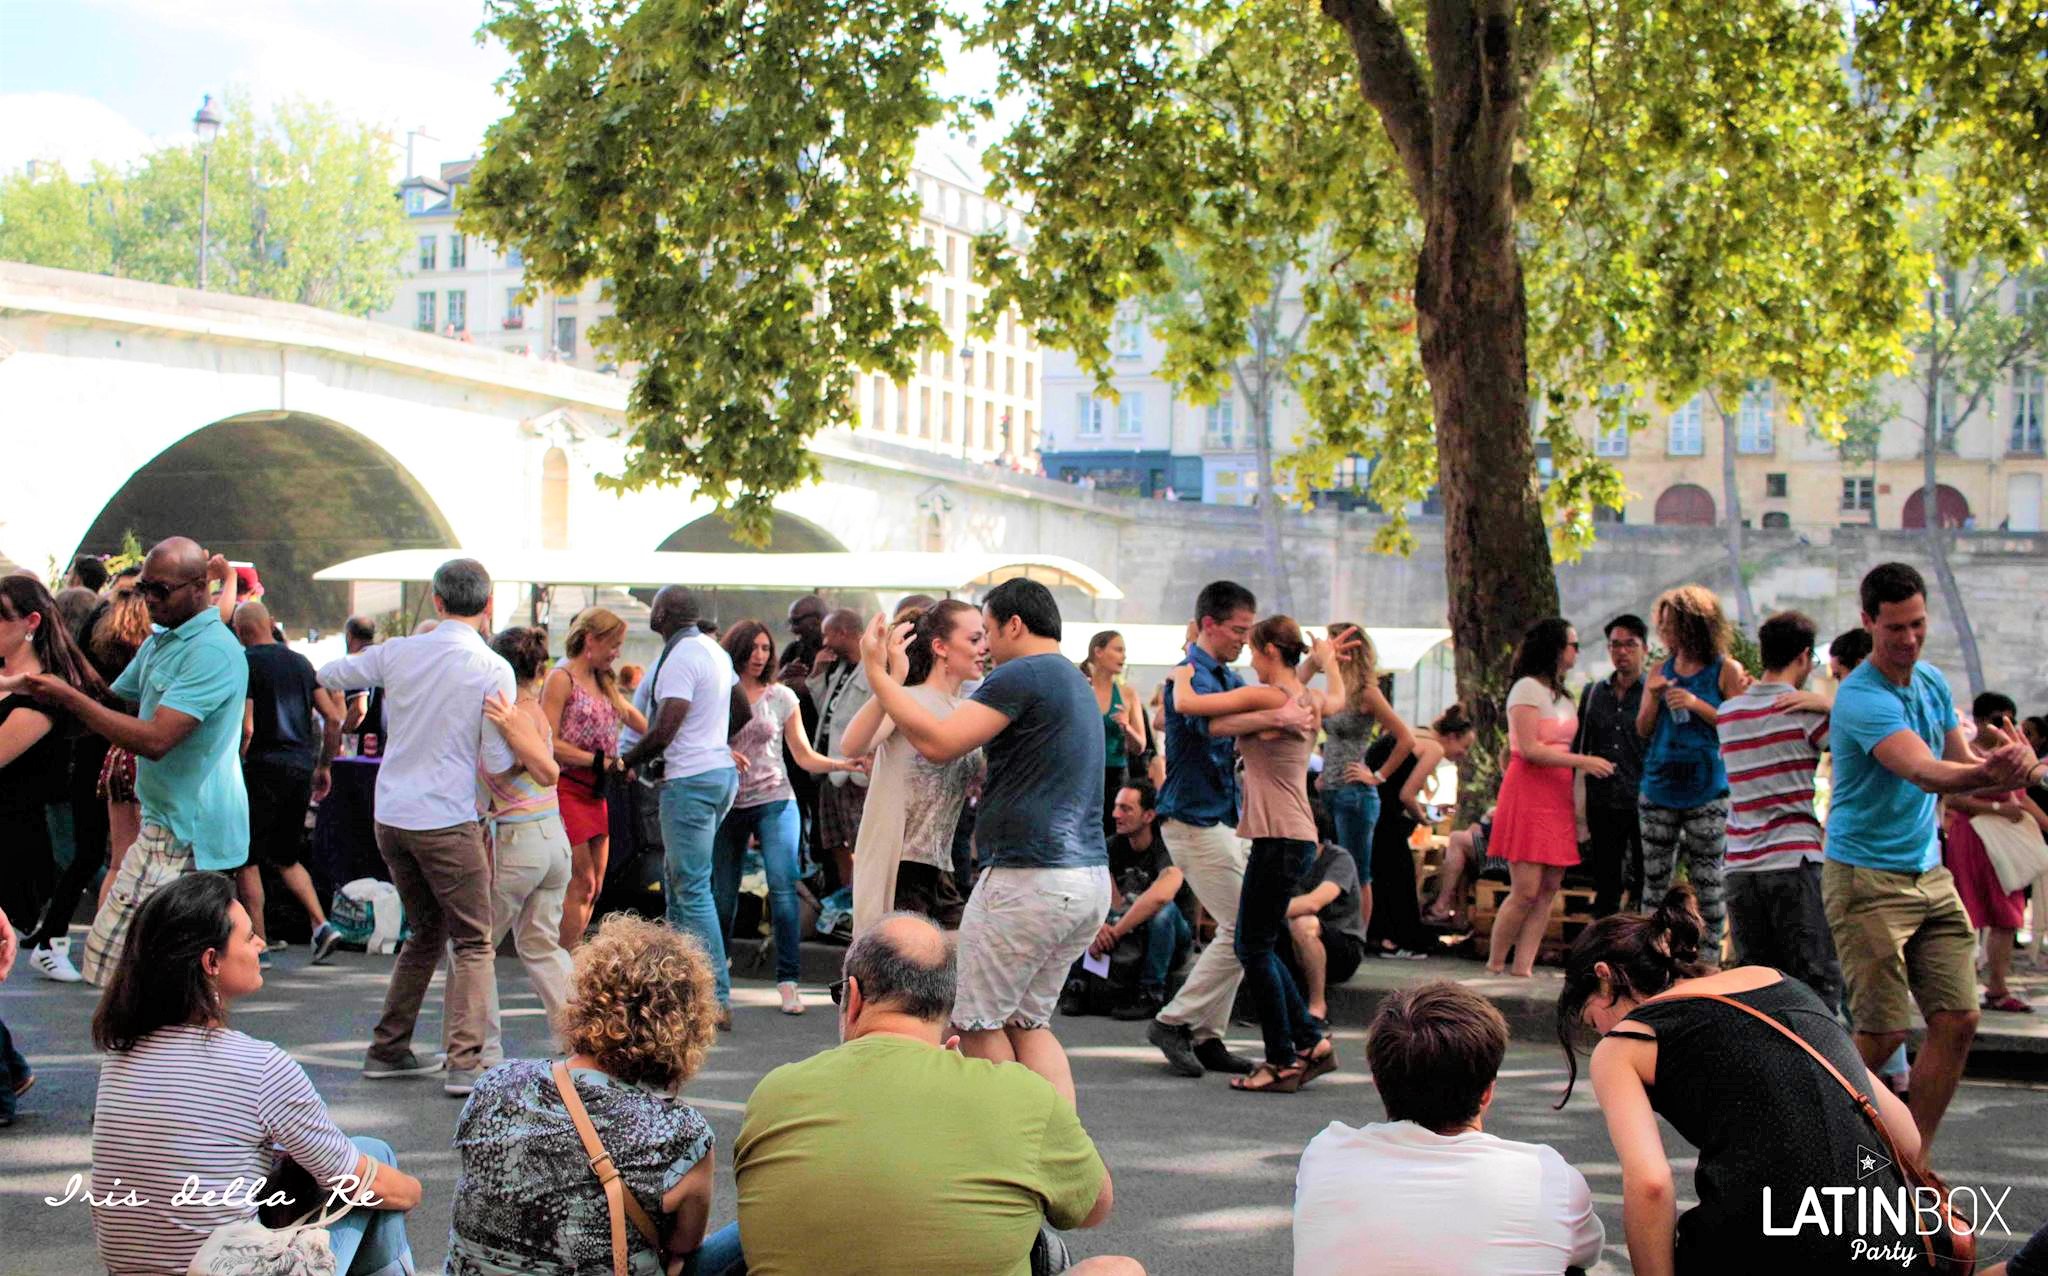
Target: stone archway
pixel 787 534
pixel 1950 506
pixel 288 491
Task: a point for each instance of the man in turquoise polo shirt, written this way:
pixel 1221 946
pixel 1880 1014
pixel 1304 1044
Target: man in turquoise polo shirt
pixel 1898 924
pixel 189 678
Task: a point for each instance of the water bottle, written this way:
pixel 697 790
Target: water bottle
pixel 1681 716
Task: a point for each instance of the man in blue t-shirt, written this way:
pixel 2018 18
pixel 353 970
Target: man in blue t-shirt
pixel 1898 924
pixel 1038 830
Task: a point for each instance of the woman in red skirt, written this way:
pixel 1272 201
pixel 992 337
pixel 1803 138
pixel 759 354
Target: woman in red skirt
pixel 585 705
pixel 1992 908
pixel 1534 828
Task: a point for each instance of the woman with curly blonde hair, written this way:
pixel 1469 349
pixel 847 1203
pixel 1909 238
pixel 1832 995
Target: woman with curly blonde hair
pixel 640 1018
pixel 1684 798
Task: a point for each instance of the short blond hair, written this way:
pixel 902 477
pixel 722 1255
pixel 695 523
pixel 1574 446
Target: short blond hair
pixel 641 1004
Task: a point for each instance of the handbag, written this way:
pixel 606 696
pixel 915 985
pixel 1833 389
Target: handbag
pixel 617 1199
pixel 1950 1250
pixel 2014 847
pixel 249 1248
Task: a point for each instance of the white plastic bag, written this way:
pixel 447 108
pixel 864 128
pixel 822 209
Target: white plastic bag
pixel 386 909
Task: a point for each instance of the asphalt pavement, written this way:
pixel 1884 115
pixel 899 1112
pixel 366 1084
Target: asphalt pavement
pixel 1204 1177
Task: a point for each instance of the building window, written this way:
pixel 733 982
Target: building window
pixel 949 309
pixel 1774 485
pixel 1129 332
pixel 1686 438
pixel 946 419
pixel 1009 374
pixel 565 336
pixel 1030 385
pixel 2029 291
pixel 515 310
pixel 924 412
pixel 879 416
pixel 988 427
pixel 458 251
pixel 1219 430
pixel 1756 427
pixel 1030 438
pixel 514 259
pixel 1089 411
pixel 425 321
pixel 458 309
pixel 415 200
pixel 967 367
pixel 1946 421
pixel 1859 495
pixel 1611 441
pixel 427 245
pixel 1777 521
pixel 2028 409
pixel 1130 415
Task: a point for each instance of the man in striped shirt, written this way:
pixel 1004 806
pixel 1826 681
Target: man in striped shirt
pixel 1771 738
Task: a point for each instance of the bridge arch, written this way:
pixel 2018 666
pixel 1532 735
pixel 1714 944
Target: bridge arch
pixel 787 534
pixel 291 492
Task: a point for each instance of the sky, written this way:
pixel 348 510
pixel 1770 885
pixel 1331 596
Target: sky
pixel 84 80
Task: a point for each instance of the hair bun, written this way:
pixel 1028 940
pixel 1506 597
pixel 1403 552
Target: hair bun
pixel 1677 919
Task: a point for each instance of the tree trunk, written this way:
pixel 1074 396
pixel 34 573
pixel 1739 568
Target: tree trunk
pixel 1731 509
pixel 1281 592
pixel 1472 324
pixel 1937 537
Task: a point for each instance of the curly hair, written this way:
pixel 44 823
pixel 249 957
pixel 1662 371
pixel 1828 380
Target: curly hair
pixel 641 1004
pixel 1698 629
pixel 120 631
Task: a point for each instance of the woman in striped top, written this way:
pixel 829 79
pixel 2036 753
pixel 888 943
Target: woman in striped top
pixel 530 857
pixel 184 1098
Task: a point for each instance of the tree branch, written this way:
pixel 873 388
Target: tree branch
pixel 1391 81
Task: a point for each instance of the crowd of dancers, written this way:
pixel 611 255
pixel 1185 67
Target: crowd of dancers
pixel 1018 838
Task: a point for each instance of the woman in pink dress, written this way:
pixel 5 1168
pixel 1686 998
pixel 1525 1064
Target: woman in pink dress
pixel 585 704
pixel 1534 828
pixel 1998 912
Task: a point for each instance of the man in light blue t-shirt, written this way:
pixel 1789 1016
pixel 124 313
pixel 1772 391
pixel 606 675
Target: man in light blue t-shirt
pixel 1898 924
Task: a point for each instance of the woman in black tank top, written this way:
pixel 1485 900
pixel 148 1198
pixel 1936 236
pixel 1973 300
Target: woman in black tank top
pixel 1775 1130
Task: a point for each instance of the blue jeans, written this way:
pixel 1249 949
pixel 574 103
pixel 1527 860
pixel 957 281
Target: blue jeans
pixel 1167 936
pixel 778 827
pixel 371 1242
pixel 720 1255
pixel 1354 809
pixel 1270 878
pixel 691 807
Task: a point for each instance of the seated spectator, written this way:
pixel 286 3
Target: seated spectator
pixel 1427 1192
pixel 1463 858
pixel 894 1154
pixel 640 1017
pixel 186 1102
pixel 1149 899
pixel 1326 927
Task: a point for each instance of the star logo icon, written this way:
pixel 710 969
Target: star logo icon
pixel 1869 1161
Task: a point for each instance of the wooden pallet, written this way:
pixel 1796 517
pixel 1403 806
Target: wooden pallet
pixel 1571 911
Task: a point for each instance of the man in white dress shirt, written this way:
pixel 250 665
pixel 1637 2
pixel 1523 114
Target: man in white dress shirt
pixel 435 685
pixel 1426 1192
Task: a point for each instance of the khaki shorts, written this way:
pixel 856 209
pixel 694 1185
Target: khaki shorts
pixel 1900 933
pixel 1022 930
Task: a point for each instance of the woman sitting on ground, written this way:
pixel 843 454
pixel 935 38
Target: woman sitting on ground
pixel 1765 1115
pixel 186 1100
pixel 640 1018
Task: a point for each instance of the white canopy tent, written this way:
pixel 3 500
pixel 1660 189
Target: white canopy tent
pixel 1161 646
pixel 881 570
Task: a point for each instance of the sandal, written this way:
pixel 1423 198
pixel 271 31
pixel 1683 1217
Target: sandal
pixel 1276 1080
pixel 2008 1003
pixel 1314 1065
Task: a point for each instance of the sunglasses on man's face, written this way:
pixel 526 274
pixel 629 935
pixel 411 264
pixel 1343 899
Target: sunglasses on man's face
pixel 158 590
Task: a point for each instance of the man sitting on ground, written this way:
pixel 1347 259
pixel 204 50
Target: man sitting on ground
pixel 1148 898
pixel 1323 923
pixel 1426 1192
pixel 895 1154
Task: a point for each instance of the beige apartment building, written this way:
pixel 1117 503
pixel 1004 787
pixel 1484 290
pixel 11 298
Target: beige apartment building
pixel 978 401
pixel 1992 476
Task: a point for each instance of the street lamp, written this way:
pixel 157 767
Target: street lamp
pixel 205 125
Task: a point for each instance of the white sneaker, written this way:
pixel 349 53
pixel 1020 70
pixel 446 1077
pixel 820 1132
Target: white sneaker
pixel 54 963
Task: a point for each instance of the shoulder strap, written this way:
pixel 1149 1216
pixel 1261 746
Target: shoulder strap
pixel 1863 1101
pixel 617 1199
